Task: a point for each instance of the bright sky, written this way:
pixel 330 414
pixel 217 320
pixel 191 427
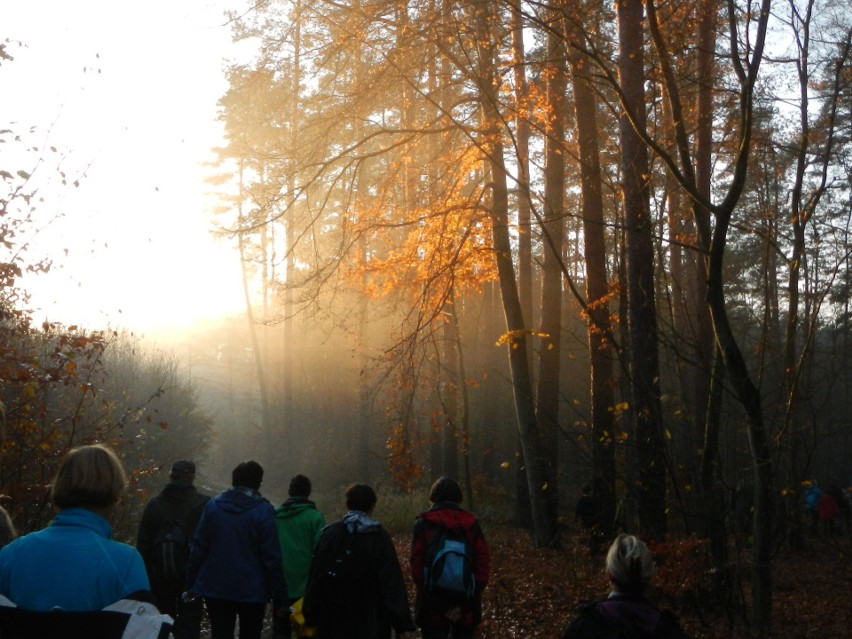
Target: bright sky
pixel 129 90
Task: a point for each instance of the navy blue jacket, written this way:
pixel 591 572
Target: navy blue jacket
pixel 235 554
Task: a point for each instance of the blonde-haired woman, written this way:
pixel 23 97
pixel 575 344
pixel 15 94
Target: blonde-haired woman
pixel 626 611
pixel 73 564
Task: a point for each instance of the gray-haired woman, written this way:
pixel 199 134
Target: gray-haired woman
pixel 626 612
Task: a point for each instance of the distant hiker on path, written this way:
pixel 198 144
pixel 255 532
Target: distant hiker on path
pixel 165 533
pixel 586 513
pixel 355 588
pixel 449 565
pixel 299 525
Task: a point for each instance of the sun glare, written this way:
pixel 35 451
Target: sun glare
pixel 127 95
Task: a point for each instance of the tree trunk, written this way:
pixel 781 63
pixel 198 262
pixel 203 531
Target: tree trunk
pixel 290 234
pixel 544 528
pixel 553 225
pixel 597 290
pixel 746 69
pixel 522 141
pixel 644 358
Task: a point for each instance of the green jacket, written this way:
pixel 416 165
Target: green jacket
pixel 299 525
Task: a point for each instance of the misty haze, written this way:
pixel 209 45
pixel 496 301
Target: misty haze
pixel 568 253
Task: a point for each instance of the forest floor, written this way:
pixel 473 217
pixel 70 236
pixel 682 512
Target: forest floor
pixel 534 593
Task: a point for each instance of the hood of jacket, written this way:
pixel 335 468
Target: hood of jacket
pixel 293 507
pixel 449 515
pixel 357 521
pixel 239 499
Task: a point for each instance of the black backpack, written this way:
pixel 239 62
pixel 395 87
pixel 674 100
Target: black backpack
pixel 346 567
pixel 170 552
pixel 448 565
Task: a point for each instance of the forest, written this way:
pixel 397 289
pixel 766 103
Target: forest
pixel 531 245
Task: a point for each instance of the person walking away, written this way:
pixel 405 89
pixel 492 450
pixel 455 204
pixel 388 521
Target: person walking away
pixel 299 525
pixel 165 533
pixel 586 514
pixel 847 509
pixel 829 509
pixel 626 612
pixel 837 492
pixel 812 496
pixel 586 510
pixel 449 565
pixel 73 565
pixel 355 587
pixel 235 560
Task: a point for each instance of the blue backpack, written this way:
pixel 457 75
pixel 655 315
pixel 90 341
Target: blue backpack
pixel 448 566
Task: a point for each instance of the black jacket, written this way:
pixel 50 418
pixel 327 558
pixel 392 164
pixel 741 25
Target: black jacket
pixel 178 501
pixel 374 600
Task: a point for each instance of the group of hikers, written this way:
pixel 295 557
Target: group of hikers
pixel 235 553
pixel 829 510
pixel 342 580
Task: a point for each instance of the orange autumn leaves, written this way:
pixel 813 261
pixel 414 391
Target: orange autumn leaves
pixel 440 244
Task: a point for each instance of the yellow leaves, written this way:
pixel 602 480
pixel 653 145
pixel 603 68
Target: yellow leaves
pixel 505 465
pixel 512 337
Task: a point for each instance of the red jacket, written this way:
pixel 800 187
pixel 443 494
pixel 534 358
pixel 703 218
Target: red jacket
pixel 828 507
pixel 430 611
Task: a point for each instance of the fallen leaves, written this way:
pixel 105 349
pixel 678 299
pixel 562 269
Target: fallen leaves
pixel 533 593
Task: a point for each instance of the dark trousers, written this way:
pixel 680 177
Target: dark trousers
pixel 188 619
pixel 187 615
pixel 281 626
pixel 223 618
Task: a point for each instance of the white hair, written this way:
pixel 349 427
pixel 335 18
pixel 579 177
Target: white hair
pixel 629 564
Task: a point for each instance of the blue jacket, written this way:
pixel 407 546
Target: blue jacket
pixel 235 554
pixel 72 564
